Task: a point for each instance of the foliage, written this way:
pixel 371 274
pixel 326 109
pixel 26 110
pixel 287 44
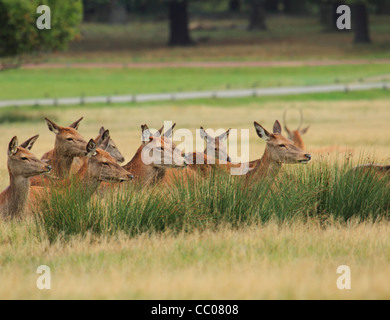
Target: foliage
pixel 20 35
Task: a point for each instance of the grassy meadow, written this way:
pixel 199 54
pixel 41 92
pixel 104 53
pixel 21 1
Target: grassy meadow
pixel 213 239
pixel 53 83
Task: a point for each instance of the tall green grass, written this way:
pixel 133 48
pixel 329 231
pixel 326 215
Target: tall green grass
pixel 317 190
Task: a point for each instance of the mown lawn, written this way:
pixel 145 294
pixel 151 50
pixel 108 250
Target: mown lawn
pixel 57 83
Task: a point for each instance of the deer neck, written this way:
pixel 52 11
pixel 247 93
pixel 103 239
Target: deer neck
pixel 61 163
pixel 267 167
pixel 16 196
pixel 298 142
pixel 88 183
pixel 147 173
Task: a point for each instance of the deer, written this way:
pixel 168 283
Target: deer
pixel 68 145
pixel 296 135
pixel 112 149
pixel 22 165
pixel 214 154
pixel 159 151
pixel 293 135
pixel 380 170
pixel 279 150
pixel 100 167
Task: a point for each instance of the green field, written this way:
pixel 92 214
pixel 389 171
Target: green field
pixel 44 83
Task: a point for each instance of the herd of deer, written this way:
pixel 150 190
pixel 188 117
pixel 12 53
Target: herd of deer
pixel 97 162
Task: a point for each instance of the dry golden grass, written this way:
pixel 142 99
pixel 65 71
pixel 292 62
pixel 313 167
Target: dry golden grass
pixel 291 261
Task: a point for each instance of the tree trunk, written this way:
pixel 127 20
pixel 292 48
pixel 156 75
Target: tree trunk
pixel 179 34
pixel 118 13
pixel 234 5
pixel 294 6
pixel 257 15
pixel 360 19
pixel 382 7
pixel 272 5
pixel 329 16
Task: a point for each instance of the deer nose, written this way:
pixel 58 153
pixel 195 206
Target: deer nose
pixel 130 176
pixel 48 168
pixel 308 156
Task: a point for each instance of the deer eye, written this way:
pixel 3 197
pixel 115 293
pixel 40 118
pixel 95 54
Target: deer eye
pixel 24 159
pixel 105 164
pixel 282 146
pixel 69 139
pixel 160 149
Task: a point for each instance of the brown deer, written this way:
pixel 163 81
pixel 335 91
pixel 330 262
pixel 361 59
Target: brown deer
pixel 156 154
pixel 112 149
pixel 22 165
pixel 215 153
pixel 296 135
pixel 68 145
pixel 99 167
pixel 381 170
pixel 278 150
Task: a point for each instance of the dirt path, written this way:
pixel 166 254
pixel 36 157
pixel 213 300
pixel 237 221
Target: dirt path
pixel 227 64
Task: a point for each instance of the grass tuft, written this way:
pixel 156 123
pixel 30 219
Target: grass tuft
pixel 320 190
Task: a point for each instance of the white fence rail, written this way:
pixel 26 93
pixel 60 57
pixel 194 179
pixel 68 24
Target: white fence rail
pixel 255 92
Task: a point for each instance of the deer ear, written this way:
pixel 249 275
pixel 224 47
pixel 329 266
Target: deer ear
pixel 277 128
pixel 91 148
pixel 52 126
pixel 101 131
pixel 13 146
pixel 28 144
pixel 168 133
pixel 303 131
pixel 159 132
pixel 105 134
pixel 75 125
pixel 262 133
pixel 145 134
pixel 225 135
pixel 204 135
pixel 105 142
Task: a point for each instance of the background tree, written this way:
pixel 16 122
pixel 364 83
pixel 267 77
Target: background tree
pixel 19 34
pixel 179 32
pixel 328 14
pixel 360 21
pixel 294 6
pixel 257 15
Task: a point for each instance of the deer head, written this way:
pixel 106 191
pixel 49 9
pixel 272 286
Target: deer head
pixel 102 166
pixel 159 150
pixel 217 145
pixel 279 148
pixel 69 143
pixel 112 149
pixel 21 162
pixel 296 135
